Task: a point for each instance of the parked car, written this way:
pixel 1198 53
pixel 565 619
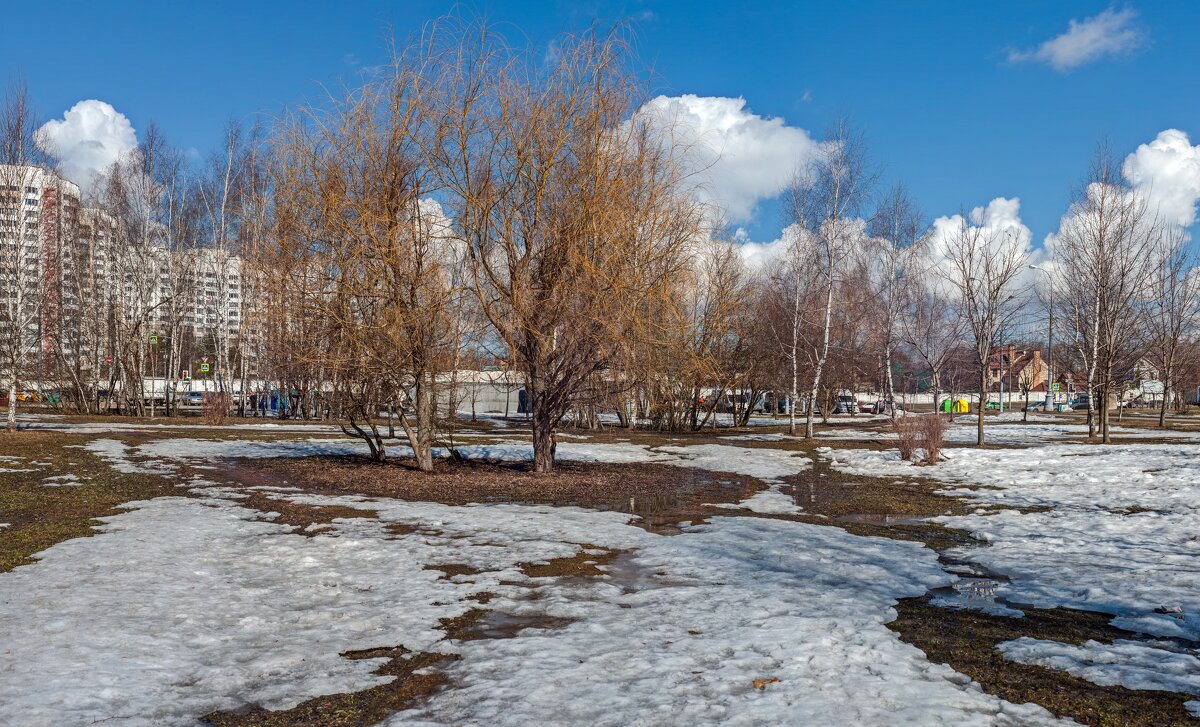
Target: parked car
pixel 1080 402
pixel 885 407
pixel 846 405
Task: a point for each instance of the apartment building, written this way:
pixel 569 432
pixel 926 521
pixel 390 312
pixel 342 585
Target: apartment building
pixel 39 217
pixel 69 279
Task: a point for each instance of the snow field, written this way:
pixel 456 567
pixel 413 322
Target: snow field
pixel 1115 531
pixel 213 609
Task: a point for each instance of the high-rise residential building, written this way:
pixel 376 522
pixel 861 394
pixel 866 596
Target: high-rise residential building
pixel 39 222
pixel 73 284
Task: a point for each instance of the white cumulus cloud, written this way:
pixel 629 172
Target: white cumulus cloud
pixel 1001 226
pixel 1167 172
pixel 739 157
pixel 1111 33
pixel 88 139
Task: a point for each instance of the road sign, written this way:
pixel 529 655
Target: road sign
pixel 1056 386
pixel 153 339
pixel 186 374
pixel 203 368
pixel 108 359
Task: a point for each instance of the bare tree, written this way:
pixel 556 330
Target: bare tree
pixel 1174 313
pixel 981 265
pixel 571 206
pixel 824 200
pixel 354 218
pixel 1104 250
pixel 24 170
pixel 930 327
pixel 893 246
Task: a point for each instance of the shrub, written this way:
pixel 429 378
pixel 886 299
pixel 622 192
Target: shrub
pixel 933 436
pixel 908 435
pixel 215 406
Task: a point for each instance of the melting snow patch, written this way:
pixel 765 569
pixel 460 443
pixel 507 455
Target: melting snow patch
pixel 67 480
pixel 211 607
pixel 116 453
pixel 1131 664
pixel 1114 529
pixel 768 465
pixel 744 620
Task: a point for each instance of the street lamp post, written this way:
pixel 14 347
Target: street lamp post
pixel 1049 339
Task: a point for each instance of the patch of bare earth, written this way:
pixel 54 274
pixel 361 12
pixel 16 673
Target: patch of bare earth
pixel 40 515
pixel 661 495
pixel 967 640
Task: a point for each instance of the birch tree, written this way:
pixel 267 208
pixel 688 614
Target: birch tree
pixel 22 164
pixel 893 246
pixel 981 266
pixel 1104 249
pixel 824 200
pixel 1174 310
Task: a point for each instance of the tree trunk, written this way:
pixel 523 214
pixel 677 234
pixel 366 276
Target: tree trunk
pixel 543 428
pixel 543 443
pixel 12 402
pixel 891 385
pixel 936 387
pixel 1162 408
pixel 982 404
pixel 426 418
pixel 820 367
pixel 1106 435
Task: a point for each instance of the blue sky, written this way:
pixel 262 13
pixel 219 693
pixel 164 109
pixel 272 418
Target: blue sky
pixel 932 86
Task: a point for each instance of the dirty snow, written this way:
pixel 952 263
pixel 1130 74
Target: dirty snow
pixel 215 608
pixel 679 632
pixel 67 480
pixel 1118 533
